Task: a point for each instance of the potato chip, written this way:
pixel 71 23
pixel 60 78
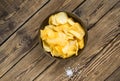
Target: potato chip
pixel 46 47
pixel 76 34
pixel 70 21
pixel 69 35
pixel 55 53
pixel 43 34
pixel 61 18
pixel 70 48
pixel 78 31
pixel 77 27
pixel 58 50
pixel 52 20
pixel 48 33
pixel 81 43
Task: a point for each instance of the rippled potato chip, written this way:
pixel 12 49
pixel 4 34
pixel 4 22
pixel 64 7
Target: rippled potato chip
pixel 70 21
pixel 46 47
pixel 81 43
pixel 61 18
pixel 63 37
pixel 58 19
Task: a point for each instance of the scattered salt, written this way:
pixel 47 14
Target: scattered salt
pixel 69 72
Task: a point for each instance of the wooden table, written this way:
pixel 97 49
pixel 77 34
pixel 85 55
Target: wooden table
pixel 22 60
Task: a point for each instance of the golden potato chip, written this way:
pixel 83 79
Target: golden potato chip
pixel 58 50
pixel 70 48
pixel 58 19
pixel 55 53
pixel 52 20
pixel 81 43
pixel 47 33
pixel 73 49
pixel 43 34
pixel 56 41
pixel 69 36
pixel 77 27
pixel 70 21
pixel 76 34
pixel 78 31
pixel 46 46
pixel 49 27
pixel 61 18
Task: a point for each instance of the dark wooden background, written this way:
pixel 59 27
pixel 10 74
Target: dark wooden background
pixel 22 60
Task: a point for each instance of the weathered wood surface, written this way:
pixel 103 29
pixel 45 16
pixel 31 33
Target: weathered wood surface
pixel 26 37
pixel 29 67
pixel 22 59
pixel 14 13
pixel 100 58
pixel 93 10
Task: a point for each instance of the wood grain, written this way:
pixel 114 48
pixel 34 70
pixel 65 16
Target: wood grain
pixel 28 68
pixel 97 47
pixel 115 75
pixel 26 37
pixel 104 64
pixel 92 11
pixel 13 14
pixel 24 40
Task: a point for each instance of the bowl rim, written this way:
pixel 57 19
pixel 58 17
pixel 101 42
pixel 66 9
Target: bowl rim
pixel 75 18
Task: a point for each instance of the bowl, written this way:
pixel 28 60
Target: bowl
pixel 76 19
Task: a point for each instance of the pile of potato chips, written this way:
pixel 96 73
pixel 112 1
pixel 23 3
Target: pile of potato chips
pixel 63 37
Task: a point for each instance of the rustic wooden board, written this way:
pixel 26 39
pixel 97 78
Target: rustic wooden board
pixel 28 68
pixel 92 11
pixel 104 64
pixel 26 38
pixel 13 14
pixel 24 42
pixel 115 76
pixel 101 52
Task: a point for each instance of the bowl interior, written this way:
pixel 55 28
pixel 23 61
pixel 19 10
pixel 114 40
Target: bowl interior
pixel 76 19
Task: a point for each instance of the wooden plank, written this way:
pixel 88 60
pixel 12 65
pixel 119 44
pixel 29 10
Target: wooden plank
pixel 115 76
pixel 99 37
pixel 26 38
pixel 93 10
pixel 28 68
pixel 13 13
